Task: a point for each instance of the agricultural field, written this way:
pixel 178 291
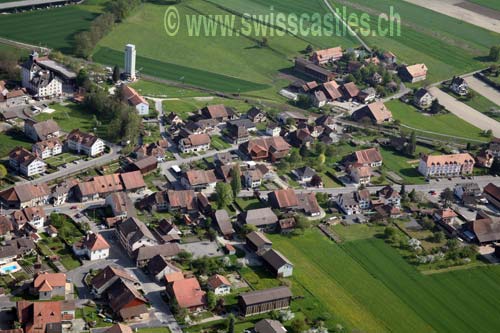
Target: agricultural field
pixel 493 4
pixel 11 139
pixel 479 103
pixel 153 89
pixel 55 28
pixel 186 106
pixel 366 285
pixel 446 124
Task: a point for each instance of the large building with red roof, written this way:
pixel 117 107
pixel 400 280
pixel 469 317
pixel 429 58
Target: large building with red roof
pixel 446 165
pixel 188 294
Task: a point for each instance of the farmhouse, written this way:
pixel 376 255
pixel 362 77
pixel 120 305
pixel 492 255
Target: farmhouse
pixel 279 264
pixel 159 266
pixel 269 326
pixel 133 234
pixel 349 91
pixel 446 165
pixel 423 98
pixel 486 228
pixel 107 277
pixel 40 131
pixel 188 294
pixel 26 163
pixel 312 70
pixel 322 57
pixel 308 204
pixel 37 317
pixel 237 133
pixel 492 194
pixel 93 246
pixel 126 302
pixel 120 204
pixel 256 115
pixel 375 112
pixel 132 97
pixel 85 143
pixel 218 112
pixel 258 242
pixel 47 148
pixel 262 301
pixel 223 222
pixel 195 143
pixel 25 195
pixel 274 148
pixel 262 218
pixel 198 180
pixel 413 73
pixel 144 254
pixel 360 174
pixel 368 157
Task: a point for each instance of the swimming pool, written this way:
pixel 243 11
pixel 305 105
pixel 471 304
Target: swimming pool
pixel 10 268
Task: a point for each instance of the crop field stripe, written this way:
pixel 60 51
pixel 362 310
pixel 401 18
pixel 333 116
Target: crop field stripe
pixel 174 72
pixel 441 298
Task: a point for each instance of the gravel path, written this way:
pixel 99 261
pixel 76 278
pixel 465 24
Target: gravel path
pixel 465 112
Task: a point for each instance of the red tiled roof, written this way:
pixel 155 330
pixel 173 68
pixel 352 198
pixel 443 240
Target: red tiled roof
pixel 133 180
pixel 370 155
pixel 286 198
pixel 188 293
pixel 217 280
pixel 47 281
pixel 448 159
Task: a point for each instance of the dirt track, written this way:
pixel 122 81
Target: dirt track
pixel 474 14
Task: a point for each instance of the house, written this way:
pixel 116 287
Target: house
pixel 168 231
pixel 308 204
pixel 126 302
pixel 269 326
pixel 331 90
pixel 494 147
pixel 349 204
pixel 40 317
pixel 85 143
pixel 283 199
pixel 219 284
pixel 93 246
pixel 133 234
pixel 376 79
pixel 446 165
pixel 389 196
pixel 120 204
pixel 266 300
pixel 296 118
pixel 173 119
pixel 237 133
pixel 15 248
pixel 360 174
pixel 119 328
pixel 156 149
pixel 145 165
pixel 16 97
pixel 25 195
pixel 363 198
pixel 446 217
pixel 99 186
pixel 492 194
pixel 262 218
pixel 389 57
pixel 159 266
pixel 484 159
pixel 198 180
pixel 349 91
pixel 304 175
pixel 319 98
pixel 423 98
pixel 42 130
pixel 258 242
pixel 195 143
pixel 486 228
pixel 413 73
pixel 252 178
pixel 34 216
pixel 312 70
pixel 279 264
pixel 50 285
pixel 376 112
pixel 256 115
pixel 372 60
pixel 367 95
pixel 368 157
pixel 39 80
pixel 144 254
pixel 325 56
pixel 132 97
pixel 6 227
pixel 223 222
pixel 287 225
pixel 109 276
pixel 218 112
pixel 170 200
pixel 48 148
pixel 301 137
pixel 459 86
pixel 133 181
pixel 326 121
pixel 188 294
pixel 273 129
pixel 464 190
pixel 23 161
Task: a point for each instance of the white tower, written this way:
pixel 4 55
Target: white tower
pixel 130 61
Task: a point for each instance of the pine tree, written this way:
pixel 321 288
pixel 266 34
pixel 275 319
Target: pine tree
pixel 116 73
pixel 236 180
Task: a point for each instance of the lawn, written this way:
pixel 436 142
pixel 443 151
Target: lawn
pixel 447 124
pixel 366 285
pixel 187 106
pixel 479 103
pixel 154 89
pixel 50 246
pixel 61 159
pixel 404 166
pixel 247 204
pixel 11 139
pixel 493 4
pixel 154 330
pixel 55 27
pixel 219 143
pixel 446 45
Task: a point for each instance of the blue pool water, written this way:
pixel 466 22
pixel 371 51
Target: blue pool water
pixel 8 269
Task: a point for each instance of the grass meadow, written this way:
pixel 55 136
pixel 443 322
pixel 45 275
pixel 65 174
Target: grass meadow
pixel 492 4
pixel 366 285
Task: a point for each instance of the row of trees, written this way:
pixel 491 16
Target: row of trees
pixel 8 65
pixel 124 122
pixel 116 11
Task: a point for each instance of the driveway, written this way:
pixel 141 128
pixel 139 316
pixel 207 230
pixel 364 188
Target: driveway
pixel 483 89
pixel 203 248
pixel 465 112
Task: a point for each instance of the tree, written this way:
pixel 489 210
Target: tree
pixel 8 65
pixel 302 222
pixel 82 79
pixel 350 78
pixel 304 151
pixel 412 195
pixel 427 223
pixel 184 256
pixel 438 237
pixel 389 232
pixel 495 167
pixel 236 180
pixel 436 107
pixel 230 325
pixel 402 192
pixel 294 157
pixel 494 53
pixel 412 146
pixel 447 196
pixel 116 73
pixel 248 228
pixel 321 159
pixel 309 48
pixel 299 325
pixel 3 172
pixel 224 194
pixel 211 300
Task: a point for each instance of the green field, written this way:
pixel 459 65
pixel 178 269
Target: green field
pixel 447 124
pixel 371 288
pixel 479 103
pixel 153 89
pixel 493 4
pixel 405 167
pixel 11 139
pixel 186 106
pixel 54 28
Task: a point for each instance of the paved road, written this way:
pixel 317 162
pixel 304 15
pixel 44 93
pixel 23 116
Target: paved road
pixel 465 112
pixel 483 89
